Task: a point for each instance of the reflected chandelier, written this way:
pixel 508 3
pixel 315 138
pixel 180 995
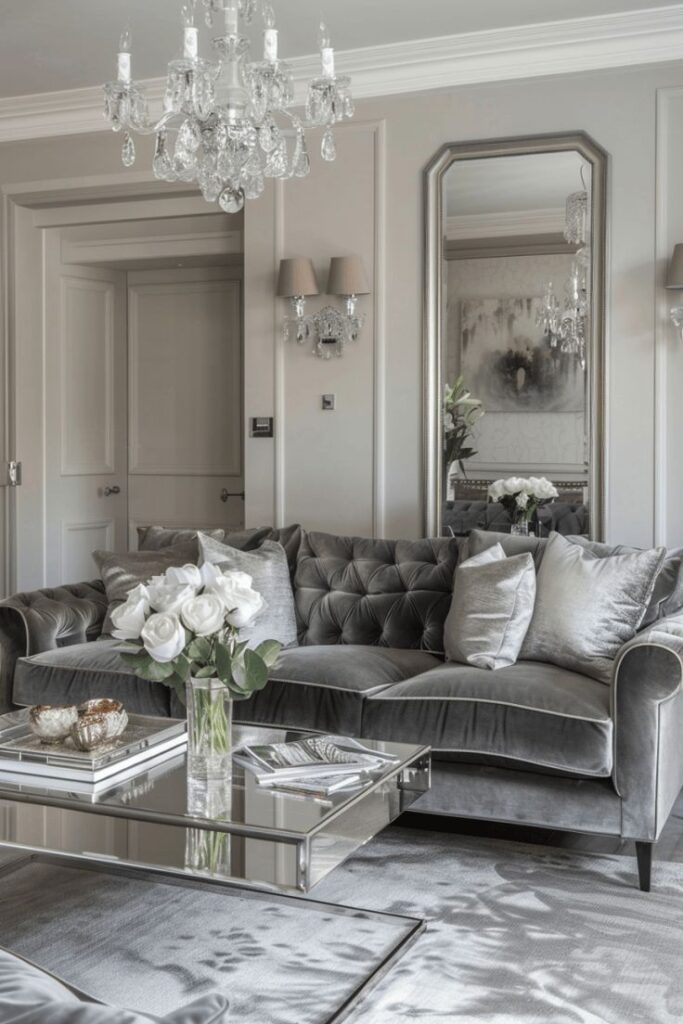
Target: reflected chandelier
pixel 565 324
pixel 227 122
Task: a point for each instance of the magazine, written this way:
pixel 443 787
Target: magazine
pixel 317 764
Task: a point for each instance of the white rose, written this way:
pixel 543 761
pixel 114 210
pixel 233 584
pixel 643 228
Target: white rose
pixel 515 484
pixel 542 488
pixel 129 617
pixel 240 600
pixel 184 575
pixel 165 597
pixel 204 615
pixel 522 500
pixel 163 636
pixel 497 490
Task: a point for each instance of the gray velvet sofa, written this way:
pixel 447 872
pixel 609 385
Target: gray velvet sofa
pixel 532 743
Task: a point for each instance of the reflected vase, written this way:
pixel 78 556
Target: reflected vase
pixel 209 730
pixel 520 529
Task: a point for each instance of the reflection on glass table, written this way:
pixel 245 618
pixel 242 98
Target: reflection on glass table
pixel 243 832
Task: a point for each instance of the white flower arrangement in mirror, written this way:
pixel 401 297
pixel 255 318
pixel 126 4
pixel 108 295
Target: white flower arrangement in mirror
pixel 230 116
pixel 521 497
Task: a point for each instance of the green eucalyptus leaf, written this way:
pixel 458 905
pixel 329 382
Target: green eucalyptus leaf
pixel 199 649
pixel 256 671
pixel 182 667
pixel 224 664
pixel 269 650
pixel 205 672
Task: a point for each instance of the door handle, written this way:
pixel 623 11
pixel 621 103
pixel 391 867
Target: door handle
pixel 112 490
pixel 225 494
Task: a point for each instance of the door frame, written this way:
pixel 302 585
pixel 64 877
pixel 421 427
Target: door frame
pixel 28 210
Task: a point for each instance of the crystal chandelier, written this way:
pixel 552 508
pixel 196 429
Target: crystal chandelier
pixel 227 123
pixel 565 324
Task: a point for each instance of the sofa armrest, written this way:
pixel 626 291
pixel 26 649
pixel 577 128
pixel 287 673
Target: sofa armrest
pixel 45 619
pixel 647 709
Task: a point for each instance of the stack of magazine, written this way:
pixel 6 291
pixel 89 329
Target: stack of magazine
pixel 317 766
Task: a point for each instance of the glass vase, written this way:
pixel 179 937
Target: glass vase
pixel 520 529
pixel 209 729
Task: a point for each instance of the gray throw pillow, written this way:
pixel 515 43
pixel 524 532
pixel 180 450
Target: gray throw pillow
pixel 667 594
pixel 269 571
pixel 492 606
pixel 154 538
pixel 30 995
pixel 121 573
pixel 588 606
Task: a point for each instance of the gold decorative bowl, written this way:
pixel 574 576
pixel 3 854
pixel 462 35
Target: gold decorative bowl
pixel 52 723
pixel 99 721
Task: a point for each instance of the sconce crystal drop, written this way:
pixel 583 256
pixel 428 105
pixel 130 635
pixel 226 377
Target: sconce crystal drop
pixel 227 122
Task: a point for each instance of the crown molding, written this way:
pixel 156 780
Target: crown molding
pixel 508 223
pixel 528 51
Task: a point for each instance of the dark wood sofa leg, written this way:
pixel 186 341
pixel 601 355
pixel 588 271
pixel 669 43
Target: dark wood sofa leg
pixel 644 855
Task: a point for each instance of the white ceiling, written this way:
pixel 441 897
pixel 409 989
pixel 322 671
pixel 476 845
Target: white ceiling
pixel 513 184
pixel 48 45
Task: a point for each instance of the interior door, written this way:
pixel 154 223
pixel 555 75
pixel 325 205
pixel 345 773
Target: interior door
pixel 185 398
pixel 85 415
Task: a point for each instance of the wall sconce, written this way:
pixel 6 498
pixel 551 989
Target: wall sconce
pixel 330 327
pixel 296 281
pixel 674 279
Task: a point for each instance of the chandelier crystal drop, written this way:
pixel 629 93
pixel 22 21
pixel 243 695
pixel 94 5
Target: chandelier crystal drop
pixel 228 123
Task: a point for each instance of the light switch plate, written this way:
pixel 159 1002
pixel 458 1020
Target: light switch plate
pixel 328 402
pixel 261 426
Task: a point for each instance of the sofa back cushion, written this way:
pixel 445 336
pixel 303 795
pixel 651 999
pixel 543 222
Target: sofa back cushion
pixel 667 596
pixel 355 590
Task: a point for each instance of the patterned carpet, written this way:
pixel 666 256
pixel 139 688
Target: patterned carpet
pixel 516 935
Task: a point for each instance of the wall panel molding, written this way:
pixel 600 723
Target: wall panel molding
pixel 623 39
pixel 71 464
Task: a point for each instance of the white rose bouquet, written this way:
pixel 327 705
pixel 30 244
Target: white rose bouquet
pixel 521 497
pixel 185 625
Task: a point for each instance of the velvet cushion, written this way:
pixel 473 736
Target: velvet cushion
pixel 527 714
pixel 154 538
pixel 81 672
pixel 667 595
pixel 587 607
pixel 269 570
pixel 356 590
pixel 122 572
pixel 323 688
pixel 30 995
pixel 492 605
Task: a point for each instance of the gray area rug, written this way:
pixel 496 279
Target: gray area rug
pixel 516 935
pixel 153 945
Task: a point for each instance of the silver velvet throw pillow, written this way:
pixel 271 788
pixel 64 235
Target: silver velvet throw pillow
pixel 269 570
pixel 588 606
pixel 492 606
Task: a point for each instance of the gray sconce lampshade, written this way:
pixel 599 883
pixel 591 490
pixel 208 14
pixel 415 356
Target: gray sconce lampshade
pixel 674 278
pixel 297 277
pixel 347 276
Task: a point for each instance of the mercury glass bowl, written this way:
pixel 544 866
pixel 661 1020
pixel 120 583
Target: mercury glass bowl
pixel 99 721
pixel 52 723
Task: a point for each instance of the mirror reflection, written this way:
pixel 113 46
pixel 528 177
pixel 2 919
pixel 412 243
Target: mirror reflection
pixel 515 343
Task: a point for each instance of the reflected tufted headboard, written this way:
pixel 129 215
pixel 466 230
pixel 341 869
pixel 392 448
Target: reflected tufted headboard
pixel 393 593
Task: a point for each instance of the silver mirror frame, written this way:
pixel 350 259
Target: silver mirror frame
pixel 597 157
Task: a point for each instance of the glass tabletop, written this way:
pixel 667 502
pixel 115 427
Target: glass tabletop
pixel 231 829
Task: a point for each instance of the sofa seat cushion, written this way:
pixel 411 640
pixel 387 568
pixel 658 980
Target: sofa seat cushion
pixel 528 714
pixel 70 675
pixel 323 687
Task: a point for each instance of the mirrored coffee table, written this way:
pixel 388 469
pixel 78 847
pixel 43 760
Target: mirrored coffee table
pixel 237 832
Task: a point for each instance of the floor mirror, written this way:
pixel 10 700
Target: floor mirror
pixel 515 235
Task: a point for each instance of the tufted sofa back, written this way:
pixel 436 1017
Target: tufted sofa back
pixel 391 593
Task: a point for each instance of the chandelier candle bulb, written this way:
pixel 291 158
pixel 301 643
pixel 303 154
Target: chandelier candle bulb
pixel 270 45
pixel 124 68
pixel 190 42
pixel 231 20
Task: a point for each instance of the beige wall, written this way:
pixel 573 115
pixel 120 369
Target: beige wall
pixel 359 468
